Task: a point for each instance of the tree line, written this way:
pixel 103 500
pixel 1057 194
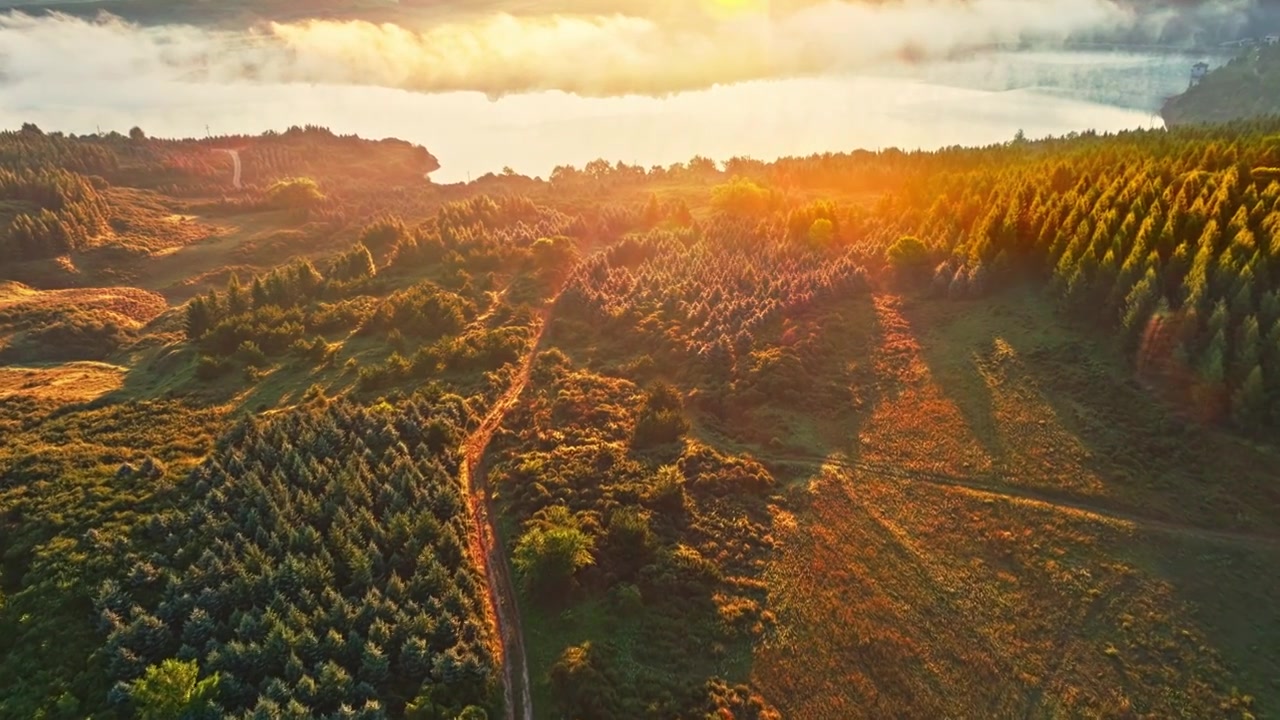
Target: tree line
pixel 59 211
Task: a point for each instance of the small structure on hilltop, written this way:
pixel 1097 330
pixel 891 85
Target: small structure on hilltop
pixel 1271 40
pixel 1198 71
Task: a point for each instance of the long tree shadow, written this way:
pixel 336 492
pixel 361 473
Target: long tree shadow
pixel 956 367
pixel 1072 417
pixel 1051 410
pixel 1057 409
pixel 999 391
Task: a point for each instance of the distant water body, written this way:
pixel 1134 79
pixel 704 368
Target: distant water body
pixel 974 101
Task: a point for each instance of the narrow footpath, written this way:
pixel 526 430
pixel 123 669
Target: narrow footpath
pixel 485 547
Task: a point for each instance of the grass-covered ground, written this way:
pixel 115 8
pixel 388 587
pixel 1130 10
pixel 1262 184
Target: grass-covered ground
pixel 1010 527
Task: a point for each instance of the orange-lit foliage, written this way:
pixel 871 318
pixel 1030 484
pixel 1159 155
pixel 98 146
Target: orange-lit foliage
pixel 1010 524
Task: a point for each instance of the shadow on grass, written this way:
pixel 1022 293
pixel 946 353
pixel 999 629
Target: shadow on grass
pixel 1143 459
pixel 1151 613
pixel 1070 401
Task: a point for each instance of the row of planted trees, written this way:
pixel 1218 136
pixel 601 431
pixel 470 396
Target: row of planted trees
pixel 1169 238
pixel 1178 231
pixel 704 295
pixel 319 570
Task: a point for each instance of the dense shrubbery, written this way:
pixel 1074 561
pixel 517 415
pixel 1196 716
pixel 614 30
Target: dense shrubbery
pixel 75 336
pixel 294 194
pixel 741 196
pixel 320 569
pixel 482 234
pixel 278 312
pixel 666 540
pixel 706 297
pixel 423 311
pixel 552 550
pixel 473 354
pixel 661 420
pixel 85 324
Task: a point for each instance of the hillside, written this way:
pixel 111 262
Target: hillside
pixel 982 432
pixel 1248 86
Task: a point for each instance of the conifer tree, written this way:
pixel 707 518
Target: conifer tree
pixel 237 300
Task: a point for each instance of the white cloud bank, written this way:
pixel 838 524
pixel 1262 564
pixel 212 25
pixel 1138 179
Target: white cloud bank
pixel 499 53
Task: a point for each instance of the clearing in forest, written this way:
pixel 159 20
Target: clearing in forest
pixel 1049 542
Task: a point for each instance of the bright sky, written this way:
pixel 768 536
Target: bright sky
pixel 659 50
pixel 646 82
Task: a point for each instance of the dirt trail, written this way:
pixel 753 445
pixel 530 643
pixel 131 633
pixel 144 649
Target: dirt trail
pixel 516 690
pixel 235 158
pixel 495 301
pixel 485 545
pixel 992 487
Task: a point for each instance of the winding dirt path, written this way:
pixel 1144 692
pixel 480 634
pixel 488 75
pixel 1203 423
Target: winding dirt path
pixel 235 158
pixel 992 487
pixel 485 547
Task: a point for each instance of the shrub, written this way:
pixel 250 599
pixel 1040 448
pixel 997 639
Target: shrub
pixel 76 336
pixel 551 552
pixel 385 236
pixel 907 253
pixel 581 684
pixel 423 311
pixel 250 355
pixel 667 490
pixel 294 194
pixel 822 232
pixel 210 368
pixel 741 196
pixel 661 420
pixel 629 539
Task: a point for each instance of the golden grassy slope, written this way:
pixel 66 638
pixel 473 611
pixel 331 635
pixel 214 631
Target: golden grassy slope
pixel 124 304
pixel 66 383
pixel 1013 530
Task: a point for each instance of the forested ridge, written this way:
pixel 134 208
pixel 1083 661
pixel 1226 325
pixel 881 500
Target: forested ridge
pixel 1243 88
pixel 1180 227
pixel 1186 234
pixel 900 389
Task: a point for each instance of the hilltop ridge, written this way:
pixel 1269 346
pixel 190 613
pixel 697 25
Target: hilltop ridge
pixel 1248 86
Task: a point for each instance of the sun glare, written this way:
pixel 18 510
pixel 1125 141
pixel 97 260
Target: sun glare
pixel 736 7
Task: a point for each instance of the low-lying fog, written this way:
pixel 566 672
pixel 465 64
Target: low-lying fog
pixel 568 90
